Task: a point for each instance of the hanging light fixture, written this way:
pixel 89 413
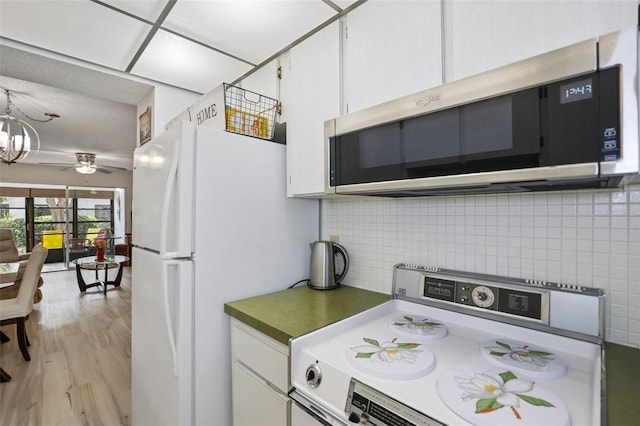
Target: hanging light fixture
pixel 85 169
pixel 86 163
pixel 15 141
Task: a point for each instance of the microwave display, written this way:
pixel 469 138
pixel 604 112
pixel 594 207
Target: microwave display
pixel 576 91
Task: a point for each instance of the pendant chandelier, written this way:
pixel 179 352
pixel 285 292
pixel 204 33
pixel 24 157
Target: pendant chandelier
pixel 17 136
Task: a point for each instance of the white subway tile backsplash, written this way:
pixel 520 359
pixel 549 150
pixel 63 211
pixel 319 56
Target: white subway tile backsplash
pixel 601 209
pixel 601 197
pixel 590 238
pixel 634 209
pixel 619 197
pixel 618 336
pixel 585 198
pixel 585 221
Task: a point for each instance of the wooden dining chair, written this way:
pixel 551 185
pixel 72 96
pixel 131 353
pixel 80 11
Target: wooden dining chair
pixel 17 310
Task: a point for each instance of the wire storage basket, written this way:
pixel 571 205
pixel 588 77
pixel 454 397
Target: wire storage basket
pixel 249 113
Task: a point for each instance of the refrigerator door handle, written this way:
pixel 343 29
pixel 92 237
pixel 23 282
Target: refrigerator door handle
pixel 167 315
pixel 169 190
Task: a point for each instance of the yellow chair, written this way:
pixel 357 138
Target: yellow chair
pixel 52 238
pixel 93 233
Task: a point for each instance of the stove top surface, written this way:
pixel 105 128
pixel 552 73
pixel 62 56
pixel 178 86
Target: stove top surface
pixel 418 327
pixel 524 358
pixel 497 396
pixel 451 366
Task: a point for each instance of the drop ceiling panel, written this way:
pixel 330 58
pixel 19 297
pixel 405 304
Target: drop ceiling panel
pixel 80 29
pixel 251 30
pixel 173 59
pixel 147 9
pixel 343 4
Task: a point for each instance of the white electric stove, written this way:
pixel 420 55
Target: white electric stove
pixel 455 348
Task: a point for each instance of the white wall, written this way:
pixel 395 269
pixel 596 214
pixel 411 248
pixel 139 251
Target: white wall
pixel 168 102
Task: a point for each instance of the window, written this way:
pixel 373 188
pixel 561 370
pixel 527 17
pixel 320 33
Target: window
pixel 92 215
pixel 13 216
pixel 50 221
pixel 53 215
pixel 103 212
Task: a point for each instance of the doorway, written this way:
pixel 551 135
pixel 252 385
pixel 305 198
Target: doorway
pixel 61 217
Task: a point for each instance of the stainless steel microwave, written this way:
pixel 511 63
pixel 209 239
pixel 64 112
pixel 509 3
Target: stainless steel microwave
pixel 567 119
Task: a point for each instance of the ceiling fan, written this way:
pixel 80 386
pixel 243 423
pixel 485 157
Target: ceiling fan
pixel 86 164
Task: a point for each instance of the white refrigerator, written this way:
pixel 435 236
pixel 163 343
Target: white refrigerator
pixel 211 224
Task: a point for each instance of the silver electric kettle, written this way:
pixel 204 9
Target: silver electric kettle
pixel 323 265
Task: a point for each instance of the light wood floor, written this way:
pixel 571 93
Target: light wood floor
pixel 80 368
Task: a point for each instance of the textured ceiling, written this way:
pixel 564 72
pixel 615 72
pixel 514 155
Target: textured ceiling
pixel 193 45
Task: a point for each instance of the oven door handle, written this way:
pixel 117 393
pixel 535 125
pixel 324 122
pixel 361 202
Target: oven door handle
pixel 318 412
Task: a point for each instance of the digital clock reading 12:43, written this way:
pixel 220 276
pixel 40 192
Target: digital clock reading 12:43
pixel 576 91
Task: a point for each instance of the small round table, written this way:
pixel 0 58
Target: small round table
pixel 90 262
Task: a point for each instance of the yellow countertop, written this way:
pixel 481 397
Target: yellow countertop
pixel 290 313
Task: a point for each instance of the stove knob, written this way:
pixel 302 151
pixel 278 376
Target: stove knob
pixel 354 417
pixel 314 376
pixel 358 418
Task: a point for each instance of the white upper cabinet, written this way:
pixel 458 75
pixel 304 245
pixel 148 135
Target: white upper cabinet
pixel 310 94
pixel 264 81
pixel 383 50
pixel 481 35
pixel 391 49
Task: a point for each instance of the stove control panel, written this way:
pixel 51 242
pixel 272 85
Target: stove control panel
pixel 531 304
pixel 368 406
pixel 571 310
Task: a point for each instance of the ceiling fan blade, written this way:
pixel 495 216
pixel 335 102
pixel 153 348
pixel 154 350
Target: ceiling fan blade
pixel 57 164
pixel 111 168
pixel 65 166
pixel 102 169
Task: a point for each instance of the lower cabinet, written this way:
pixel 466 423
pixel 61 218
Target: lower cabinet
pixel 260 378
pixel 300 417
